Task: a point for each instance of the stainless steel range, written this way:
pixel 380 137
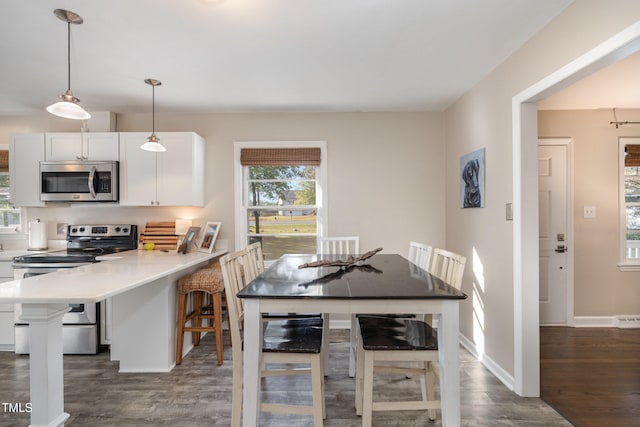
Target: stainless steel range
pixel 81 326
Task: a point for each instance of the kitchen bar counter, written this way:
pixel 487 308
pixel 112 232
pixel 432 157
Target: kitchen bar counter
pixel 142 288
pixel 117 273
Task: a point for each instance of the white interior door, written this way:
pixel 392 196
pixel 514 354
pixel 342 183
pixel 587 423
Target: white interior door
pixel 553 187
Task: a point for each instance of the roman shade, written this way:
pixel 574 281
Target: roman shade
pixel 632 155
pixel 4 160
pixel 280 156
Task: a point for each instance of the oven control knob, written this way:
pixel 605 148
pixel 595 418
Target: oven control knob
pixel 125 230
pixel 81 229
pixel 117 229
pixel 74 230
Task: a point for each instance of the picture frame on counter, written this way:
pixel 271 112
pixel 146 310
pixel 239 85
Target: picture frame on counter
pixel 189 238
pixel 208 240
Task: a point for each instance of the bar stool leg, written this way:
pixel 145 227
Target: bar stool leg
pixel 197 320
pixel 182 314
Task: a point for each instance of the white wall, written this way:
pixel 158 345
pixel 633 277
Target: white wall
pixel 482 118
pixel 386 175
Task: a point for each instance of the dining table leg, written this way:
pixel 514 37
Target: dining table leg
pixel 252 361
pixel 448 331
pixel 46 371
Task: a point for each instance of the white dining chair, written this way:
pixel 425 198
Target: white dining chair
pixel 278 334
pixel 254 264
pixel 447 266
pixel 420 254
pixel 340 245
pixel 343 246
pixel 389 340
pixel 394 339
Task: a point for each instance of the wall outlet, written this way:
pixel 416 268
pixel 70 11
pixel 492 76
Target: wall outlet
pixel 589 212
pixel 61 228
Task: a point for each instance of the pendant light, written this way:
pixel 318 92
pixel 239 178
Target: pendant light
pixel 153 142
pixel 69 106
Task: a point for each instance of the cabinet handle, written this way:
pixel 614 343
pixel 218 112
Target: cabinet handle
pixel 152 202
pixel 78 157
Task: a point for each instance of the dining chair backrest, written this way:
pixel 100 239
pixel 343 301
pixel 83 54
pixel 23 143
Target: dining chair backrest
pixel 447 266
pixel 232 273
pixel 420 254
pixel 340 245
pixel 253 262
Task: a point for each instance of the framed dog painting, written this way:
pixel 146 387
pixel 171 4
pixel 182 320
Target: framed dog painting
pixel 472 179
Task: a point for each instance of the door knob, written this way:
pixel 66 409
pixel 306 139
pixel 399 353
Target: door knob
pixel 561 249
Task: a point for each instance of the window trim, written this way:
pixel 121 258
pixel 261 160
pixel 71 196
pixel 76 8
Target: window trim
pixel 623 263
pixel 240 225
pixel 17 230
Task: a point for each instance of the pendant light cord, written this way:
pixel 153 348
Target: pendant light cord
pixel 153 109
pixel 68 55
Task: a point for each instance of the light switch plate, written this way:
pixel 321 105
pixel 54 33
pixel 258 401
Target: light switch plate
pixel 589 212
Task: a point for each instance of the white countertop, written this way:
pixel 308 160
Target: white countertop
pixel 92 283
pixel 10 254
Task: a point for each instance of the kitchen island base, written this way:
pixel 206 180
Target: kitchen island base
pixel 143 287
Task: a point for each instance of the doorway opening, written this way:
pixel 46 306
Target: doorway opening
pixel 525 199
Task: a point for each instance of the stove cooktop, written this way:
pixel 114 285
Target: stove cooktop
pixel 85 243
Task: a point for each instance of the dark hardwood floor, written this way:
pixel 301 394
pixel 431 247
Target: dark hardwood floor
pixel 592 375
pixel 198 393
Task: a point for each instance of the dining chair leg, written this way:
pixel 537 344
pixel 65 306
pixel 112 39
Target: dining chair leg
pixel 359 376
pixel 228 319
pixel 326 319
pixel 353 346
pixel 367 392
pixel 317 392
pixel 217 313
pixel 430 384
pixel 236 395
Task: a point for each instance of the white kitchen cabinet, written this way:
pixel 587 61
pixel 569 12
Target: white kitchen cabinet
pixel 6 311
pixel 26 151
pixel 96 146
pixel 171 178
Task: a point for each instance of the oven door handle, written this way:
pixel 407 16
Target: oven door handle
pixel 92 174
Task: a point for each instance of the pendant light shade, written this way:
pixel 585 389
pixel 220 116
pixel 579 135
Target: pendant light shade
pixel 68 106
pixel 153 142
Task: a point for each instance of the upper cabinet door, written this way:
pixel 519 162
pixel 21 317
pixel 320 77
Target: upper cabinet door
pixel 26 151
pixel 82 146
pixel 172 178
pixel 137 171
pixel 181 169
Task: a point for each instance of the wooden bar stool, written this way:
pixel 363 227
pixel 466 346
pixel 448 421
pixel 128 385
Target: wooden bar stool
pixel 207 280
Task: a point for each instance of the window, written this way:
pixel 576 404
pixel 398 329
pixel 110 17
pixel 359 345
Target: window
pixel 281 196
pixel 9 216
pixel 630 200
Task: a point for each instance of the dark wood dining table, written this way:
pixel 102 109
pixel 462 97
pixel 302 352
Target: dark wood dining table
pixel 385 283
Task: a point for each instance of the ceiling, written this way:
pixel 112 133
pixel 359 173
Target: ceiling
pixel 260 55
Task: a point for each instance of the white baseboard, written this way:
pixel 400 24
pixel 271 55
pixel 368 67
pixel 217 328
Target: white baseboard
pixel 506 378
pixel 623 321
pixel 595 322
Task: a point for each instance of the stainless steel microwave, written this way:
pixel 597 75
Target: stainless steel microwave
pixel 79 181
